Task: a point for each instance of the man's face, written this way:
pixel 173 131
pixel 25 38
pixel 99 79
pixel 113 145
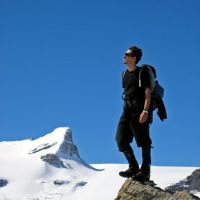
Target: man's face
pixel 128 57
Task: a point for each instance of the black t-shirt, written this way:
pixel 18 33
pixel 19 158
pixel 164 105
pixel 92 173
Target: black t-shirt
pixel 132 91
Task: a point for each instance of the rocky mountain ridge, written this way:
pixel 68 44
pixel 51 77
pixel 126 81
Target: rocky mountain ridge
pixel 190 184
pixel 67 147
pixel 133 190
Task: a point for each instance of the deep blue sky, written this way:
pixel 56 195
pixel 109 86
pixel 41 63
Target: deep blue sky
pixel 61 64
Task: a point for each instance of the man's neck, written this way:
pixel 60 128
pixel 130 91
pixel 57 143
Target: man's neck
pixel 131 67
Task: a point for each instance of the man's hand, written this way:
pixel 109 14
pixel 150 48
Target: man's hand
pixel 143 117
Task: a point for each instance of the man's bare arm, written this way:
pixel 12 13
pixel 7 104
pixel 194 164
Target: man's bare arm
pixel 144 114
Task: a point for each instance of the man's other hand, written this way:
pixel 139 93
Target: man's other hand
pixel 143 117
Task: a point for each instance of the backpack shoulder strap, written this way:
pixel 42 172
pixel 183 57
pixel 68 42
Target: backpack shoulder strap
pixel 123 75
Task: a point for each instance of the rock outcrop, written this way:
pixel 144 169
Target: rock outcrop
pixel 190 184
pixel 42 147
pixel 133 190
pixel 52 159
pixel 61 182
pixel 68 148
pixel 3 182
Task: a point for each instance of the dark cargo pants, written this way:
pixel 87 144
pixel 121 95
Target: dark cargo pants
pixel 129 128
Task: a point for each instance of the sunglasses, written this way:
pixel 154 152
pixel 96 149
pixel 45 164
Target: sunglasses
pixel 129 54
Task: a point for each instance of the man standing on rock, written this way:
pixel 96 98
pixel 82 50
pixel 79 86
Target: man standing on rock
pixel 136 117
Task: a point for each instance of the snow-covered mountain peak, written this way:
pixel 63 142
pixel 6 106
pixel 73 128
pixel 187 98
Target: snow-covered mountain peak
pixel 58 150
pixel 37 167
pixel 58 142
pixel 57 135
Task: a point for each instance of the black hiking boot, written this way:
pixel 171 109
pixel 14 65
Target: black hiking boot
pixel 131 171
pixel 133 164
pixel 141 177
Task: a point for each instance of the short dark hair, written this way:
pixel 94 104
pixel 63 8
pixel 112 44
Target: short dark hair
pixel 137 52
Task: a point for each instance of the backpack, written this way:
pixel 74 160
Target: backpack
pixel 157 91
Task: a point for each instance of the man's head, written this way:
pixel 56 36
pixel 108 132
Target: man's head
pixel 132 55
